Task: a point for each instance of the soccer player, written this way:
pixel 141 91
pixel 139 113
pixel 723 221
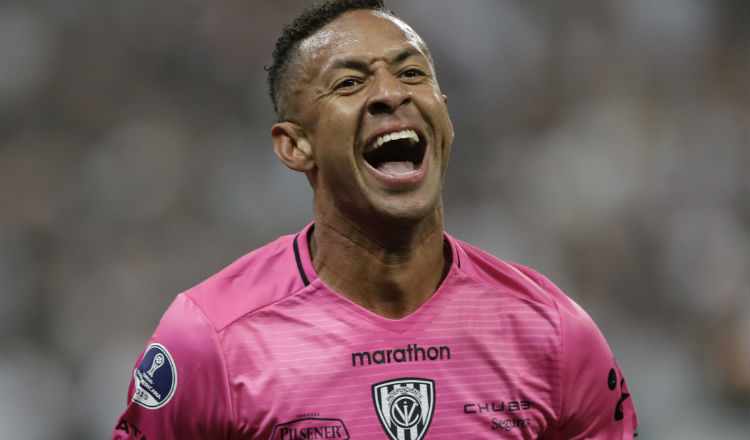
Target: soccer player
pixel 372 322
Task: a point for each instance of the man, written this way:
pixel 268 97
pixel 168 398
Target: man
pixel 372 323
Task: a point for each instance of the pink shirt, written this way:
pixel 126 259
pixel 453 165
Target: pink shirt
pixel 265 350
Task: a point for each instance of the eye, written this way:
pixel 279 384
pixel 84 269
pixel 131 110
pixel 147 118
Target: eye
pixel 412 73
pixel 346 83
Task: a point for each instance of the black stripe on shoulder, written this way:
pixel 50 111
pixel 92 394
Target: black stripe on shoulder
pixel 299 262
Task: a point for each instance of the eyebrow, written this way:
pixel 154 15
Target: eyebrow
pixel 353 64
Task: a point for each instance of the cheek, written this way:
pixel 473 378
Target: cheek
pixel 446 120
pixel 443 121
pixel 344 115
pixel 337 129
pixel 333 156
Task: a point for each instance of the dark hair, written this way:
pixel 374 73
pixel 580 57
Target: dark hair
pixel 312 18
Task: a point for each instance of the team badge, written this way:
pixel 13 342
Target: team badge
pixel 405 406
pixel 155 378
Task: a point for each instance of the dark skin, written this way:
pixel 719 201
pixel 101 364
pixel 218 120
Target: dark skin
pixel 378 236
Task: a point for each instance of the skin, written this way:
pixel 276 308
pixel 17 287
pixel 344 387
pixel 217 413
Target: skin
pixel 377 242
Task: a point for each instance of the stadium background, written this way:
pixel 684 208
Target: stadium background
pixel 604 143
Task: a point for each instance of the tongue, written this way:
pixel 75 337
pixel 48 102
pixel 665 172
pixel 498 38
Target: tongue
pixel 396 167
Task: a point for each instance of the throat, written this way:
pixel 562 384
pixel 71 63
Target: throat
pixel 392 285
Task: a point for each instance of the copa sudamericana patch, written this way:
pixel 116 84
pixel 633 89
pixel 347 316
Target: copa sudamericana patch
pixel 155 378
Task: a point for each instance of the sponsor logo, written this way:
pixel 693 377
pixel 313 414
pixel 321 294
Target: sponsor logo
pixel 501 406
pixel 310 428
pixel 410 353
pixel 612 384
pixel 506 414
pixel 128 429
pixel 155 378
pixel 508 424
pixel 405 406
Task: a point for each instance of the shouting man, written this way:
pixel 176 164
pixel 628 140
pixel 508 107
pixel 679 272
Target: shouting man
pixel 372 322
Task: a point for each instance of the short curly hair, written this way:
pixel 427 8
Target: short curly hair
pixel 312 18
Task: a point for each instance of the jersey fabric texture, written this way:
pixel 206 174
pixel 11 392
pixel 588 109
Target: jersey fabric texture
pixel 265 350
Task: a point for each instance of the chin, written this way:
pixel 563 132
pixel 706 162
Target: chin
pixel 409 214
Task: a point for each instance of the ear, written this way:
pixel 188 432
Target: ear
pixel 292 147
pixel 453 134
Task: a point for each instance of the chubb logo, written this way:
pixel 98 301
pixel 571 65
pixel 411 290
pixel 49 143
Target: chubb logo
pixel 155 378
pixel 405 406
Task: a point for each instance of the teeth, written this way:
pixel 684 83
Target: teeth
pixel 404 134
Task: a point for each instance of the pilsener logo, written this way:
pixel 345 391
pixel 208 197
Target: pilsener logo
pixel 311 428
pixel 411 353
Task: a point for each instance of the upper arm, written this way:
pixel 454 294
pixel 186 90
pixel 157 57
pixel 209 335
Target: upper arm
pixel 596 402
pixel 179 388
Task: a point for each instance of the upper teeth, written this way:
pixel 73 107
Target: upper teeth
pixel 404 134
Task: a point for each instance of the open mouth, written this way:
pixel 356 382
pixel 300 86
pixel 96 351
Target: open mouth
pixel 397 153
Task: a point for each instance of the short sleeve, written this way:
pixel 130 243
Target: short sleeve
pixel 179 387
pixel 595 400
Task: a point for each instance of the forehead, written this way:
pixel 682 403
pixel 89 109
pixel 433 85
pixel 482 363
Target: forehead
pixel 360 33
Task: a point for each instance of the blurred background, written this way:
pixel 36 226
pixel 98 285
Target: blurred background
pixel 603 143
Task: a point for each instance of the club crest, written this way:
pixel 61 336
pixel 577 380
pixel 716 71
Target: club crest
pixel 405 406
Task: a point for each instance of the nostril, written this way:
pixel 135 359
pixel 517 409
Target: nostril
pixel 379 107
pixel 388 105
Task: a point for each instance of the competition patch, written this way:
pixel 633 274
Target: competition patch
pixel 405 406
pixel 155 378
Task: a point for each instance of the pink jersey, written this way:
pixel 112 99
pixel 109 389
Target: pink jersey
pixel 265 350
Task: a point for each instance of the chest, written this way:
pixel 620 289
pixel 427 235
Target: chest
pixel 480 382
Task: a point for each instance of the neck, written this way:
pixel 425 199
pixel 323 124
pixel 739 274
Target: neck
pixel 391 270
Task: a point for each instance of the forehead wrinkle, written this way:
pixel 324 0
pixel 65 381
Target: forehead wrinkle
pixel 347 63
pixel 361 65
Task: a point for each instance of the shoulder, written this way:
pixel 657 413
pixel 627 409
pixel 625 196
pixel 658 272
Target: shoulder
pixel 254 281
pixel 191 328
pixel 490 270
pixel 526 282
pixel 593 396
pixel 180 384
pixel 180 376
pixel 575 324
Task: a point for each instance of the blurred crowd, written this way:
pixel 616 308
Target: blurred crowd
pixel 603 143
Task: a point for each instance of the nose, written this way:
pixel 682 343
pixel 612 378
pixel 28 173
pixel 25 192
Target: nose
pixel 387 94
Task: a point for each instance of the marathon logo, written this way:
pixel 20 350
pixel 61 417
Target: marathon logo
pixel 411 353
pixel 313 428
